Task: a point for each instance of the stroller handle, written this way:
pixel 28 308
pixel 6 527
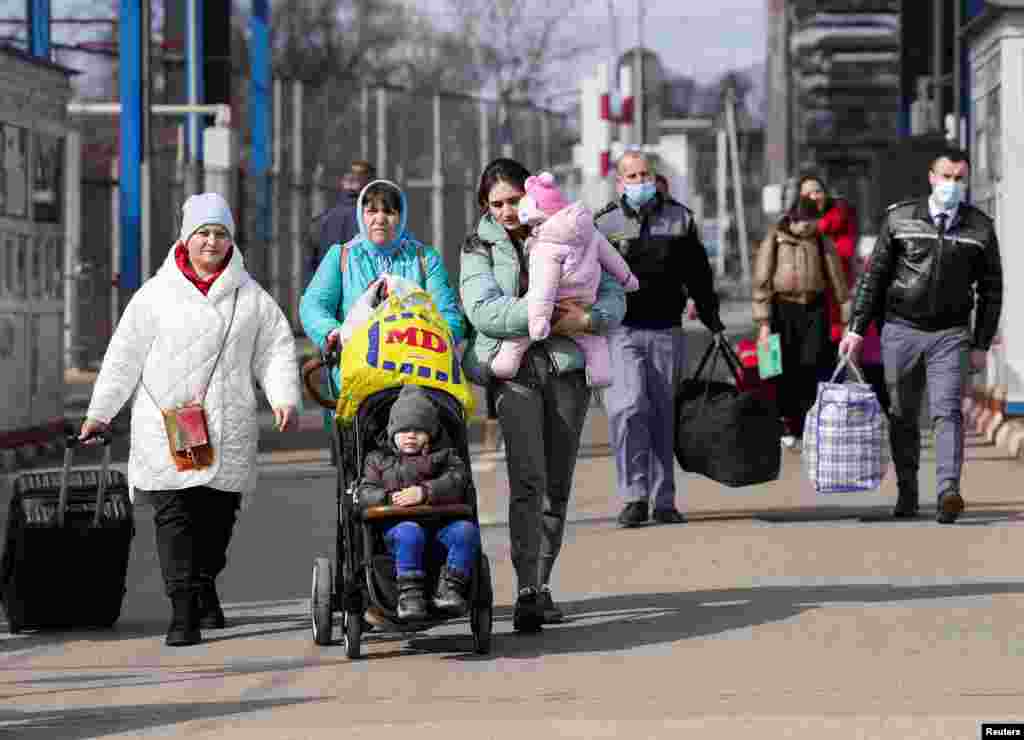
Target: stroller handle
pixel 311 368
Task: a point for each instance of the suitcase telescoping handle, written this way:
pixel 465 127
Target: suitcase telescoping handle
pixel 71 441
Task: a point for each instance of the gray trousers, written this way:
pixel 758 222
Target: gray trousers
pixel 541 424
pixel 915 360
pixel 641 412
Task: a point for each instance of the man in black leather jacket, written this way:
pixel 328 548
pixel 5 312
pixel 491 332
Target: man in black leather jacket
pixel 935 263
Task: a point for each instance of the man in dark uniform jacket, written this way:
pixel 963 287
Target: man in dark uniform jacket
pixel 339 224
pixel 658 238
pixel 935 263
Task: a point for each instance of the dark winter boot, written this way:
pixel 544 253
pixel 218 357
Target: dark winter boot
pixel 529 612
pixel 452 590
pixel 184 627
pixel 906 502
pixel 412 604
pixel 211 616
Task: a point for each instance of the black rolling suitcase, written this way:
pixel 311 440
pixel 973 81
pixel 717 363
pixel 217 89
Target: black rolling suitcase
pixel 65 557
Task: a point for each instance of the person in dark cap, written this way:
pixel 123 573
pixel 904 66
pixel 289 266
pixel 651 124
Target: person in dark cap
pixel 410 469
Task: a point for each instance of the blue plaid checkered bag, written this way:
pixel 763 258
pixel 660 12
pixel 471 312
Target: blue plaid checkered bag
pixel 846 437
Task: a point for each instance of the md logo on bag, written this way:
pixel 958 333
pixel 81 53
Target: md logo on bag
pixel 411 336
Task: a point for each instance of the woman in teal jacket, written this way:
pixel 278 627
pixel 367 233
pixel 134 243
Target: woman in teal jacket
pixel 540 411
pixel 382 246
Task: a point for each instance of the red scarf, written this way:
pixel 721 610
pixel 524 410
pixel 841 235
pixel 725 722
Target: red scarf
pixel 203 284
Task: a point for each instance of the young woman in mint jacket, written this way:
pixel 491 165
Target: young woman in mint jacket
pixel 541 410
pixel 382 246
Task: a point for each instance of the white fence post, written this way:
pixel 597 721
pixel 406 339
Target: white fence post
pixel 382 132
pixel 274 259
pixel 438 189
pixel 72 244
pixel 485 135
pixel 296 240
pixel 364 119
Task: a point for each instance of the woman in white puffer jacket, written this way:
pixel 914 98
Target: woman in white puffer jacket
pixel 200 330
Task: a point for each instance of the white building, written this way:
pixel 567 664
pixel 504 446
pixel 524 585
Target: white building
pixel 33 215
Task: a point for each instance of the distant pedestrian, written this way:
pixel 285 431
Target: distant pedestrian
pixel 837 221
pixel 794 270
pixel 199 332
pixel 935 264
pixel 658 237
pixel 340 225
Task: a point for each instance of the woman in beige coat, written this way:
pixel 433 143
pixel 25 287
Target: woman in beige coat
pixel 794 267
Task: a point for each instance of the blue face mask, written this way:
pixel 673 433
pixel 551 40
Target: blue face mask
pixel 948 194
pixel 640 193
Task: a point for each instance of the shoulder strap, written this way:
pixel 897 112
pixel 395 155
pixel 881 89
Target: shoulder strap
pixel 220 352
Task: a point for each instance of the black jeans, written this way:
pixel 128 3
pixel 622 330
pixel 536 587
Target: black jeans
pixel 193 530
pixel 807 352
pixel 541 416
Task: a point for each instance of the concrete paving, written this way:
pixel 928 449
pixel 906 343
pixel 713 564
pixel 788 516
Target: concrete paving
pixel 773 613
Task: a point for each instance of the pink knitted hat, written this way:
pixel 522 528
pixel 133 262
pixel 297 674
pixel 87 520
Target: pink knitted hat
pixel 543 190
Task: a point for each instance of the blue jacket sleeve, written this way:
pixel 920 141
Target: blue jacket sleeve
pixel 320 308
pixel 440 289
pixel 610 306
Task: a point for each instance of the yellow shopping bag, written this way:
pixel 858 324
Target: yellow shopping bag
pixel 406 340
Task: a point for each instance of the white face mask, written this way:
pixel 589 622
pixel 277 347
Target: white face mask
pixel 948 194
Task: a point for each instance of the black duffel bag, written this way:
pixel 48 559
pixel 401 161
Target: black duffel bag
pixel 725 434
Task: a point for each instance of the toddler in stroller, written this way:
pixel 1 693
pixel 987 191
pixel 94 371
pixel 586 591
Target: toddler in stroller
pixel 410 469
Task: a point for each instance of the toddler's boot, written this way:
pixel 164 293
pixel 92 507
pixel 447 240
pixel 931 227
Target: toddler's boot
pixel 452 590
pixel 412 604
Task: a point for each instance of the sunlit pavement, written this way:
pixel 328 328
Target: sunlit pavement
pixel 773 613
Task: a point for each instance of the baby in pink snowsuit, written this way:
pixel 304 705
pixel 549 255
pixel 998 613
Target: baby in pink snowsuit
pixel 566 254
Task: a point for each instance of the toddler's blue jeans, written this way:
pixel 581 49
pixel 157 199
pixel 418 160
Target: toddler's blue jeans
pixel 408 540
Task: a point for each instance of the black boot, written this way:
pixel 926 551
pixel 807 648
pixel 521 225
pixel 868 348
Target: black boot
pixel 906 503
pixel 452 589
pixel 529 612
pixel 412 604
pixel 184 627
pixel 211 616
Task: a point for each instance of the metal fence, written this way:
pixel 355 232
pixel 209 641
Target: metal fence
pixel 434 145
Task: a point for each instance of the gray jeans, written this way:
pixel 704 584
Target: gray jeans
pixel 915 360
pixel 646 365
pixel 542 423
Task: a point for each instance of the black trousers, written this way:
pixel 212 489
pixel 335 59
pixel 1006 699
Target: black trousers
pixel 193 530
pixel 807 352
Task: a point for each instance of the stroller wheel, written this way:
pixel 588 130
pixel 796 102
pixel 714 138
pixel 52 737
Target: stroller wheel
pixel 353 634
pixel 321 602
pixel 483 621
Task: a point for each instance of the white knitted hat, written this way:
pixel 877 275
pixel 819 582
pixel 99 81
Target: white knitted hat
pixel 202 209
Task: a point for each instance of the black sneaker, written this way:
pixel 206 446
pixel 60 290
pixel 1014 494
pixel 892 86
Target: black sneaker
pixel 950 505
pixel 634 514
pixel 528 615
pixel 552 614
pixel 668 516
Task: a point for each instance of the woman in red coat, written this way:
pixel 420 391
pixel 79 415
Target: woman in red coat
pixel 838 222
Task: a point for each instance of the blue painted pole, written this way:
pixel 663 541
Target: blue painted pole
pixel 38 12
pixel 194 55
pixel 260 102
pixel 131 142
